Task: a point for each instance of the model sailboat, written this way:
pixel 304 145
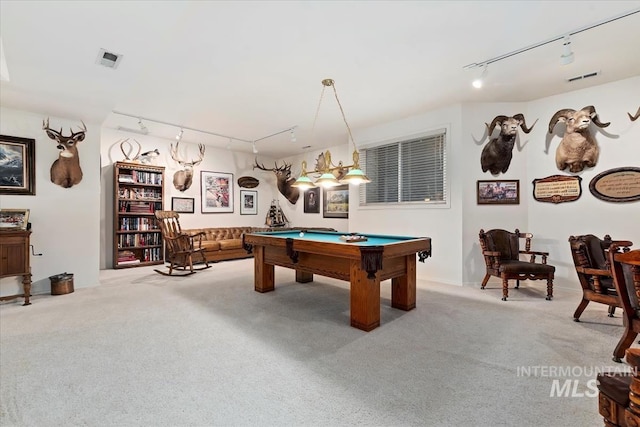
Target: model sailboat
pixel 275 216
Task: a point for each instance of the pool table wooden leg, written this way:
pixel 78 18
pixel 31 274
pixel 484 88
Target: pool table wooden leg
pixel 303 277
pixel 365 298
pixel 403 288
pixel 264 277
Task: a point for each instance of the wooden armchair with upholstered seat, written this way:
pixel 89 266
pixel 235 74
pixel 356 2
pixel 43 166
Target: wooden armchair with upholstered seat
pixel 501 252
pixel 619 397
pixel 594 273
pixel 625 269
pixel 182 249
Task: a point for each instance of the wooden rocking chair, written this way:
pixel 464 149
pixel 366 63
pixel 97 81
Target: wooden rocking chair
pixel 182 249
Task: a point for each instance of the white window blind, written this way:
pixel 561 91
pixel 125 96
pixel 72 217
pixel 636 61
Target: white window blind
pixel 412 171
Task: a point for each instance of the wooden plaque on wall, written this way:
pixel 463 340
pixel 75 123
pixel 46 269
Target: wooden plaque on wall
pixel 617 185
pixel 557 189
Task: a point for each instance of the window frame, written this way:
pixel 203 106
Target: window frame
pixel 446 203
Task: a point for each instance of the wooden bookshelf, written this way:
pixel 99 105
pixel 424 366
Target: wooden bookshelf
pixel 138 193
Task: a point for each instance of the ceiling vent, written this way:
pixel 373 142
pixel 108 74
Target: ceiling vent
pixel 108 59
pixel 582 77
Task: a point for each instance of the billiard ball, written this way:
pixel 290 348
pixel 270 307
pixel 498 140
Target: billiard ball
pixel 302 234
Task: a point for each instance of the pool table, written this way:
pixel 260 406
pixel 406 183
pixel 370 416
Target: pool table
pixel 364 264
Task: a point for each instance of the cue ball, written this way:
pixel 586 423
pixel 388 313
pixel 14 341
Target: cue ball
pixel 302 234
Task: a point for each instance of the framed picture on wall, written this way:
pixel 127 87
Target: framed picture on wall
pixel 14 219
pixel 336 202
pixel 498 192
pixel 217 192
pixel 182 204
pixel 248 202
pixel 312 200
pixel 17 170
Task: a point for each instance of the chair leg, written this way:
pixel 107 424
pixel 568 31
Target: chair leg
pixel 517 283
pixel 505 288
pixel 485 280
pixel 625 342
pixel 612 309
pixel 583 304
pixel 549 289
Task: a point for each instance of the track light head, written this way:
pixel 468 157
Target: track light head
pixel 293 135
pixel 479 82
pixel 255 150
pixel 567 56
pixel 179 135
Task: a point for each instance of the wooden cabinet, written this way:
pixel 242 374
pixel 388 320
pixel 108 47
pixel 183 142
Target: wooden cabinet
pixel 139 191
pixel 14 259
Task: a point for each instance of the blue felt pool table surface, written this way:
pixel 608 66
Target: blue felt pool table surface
pixel 334 237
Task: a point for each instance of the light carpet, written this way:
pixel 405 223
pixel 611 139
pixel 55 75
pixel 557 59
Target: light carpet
pixel 207 350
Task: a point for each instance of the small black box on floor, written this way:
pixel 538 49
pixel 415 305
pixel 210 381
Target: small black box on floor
pixel 61 284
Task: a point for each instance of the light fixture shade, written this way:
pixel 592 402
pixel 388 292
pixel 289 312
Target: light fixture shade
pixel 356 177
pixel 479 82
pixel 327 180
pixel 303 183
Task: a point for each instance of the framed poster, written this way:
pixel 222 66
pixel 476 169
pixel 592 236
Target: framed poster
pixel 14 219
pixel 336 202
pixel 312 200
pixel 498 192
pixel 17 170
pixel 248 202
pixel 217 192
pixel 182 204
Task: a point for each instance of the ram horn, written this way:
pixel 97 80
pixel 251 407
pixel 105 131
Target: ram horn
pixel 594 116
pixel 560 113
pixel 634 118
pixel 520 117
pixel 494 122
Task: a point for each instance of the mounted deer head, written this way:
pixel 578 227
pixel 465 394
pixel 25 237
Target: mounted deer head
pixel 66 171
pixel 182 179
pixel 284 180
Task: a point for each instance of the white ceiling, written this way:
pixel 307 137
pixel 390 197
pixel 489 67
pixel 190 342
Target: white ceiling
pixel 249 69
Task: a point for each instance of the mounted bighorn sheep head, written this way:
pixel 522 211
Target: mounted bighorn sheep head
pixel 66 171
pixel 496 155
pixel 578 147
pixel 284 180
pixel 182 179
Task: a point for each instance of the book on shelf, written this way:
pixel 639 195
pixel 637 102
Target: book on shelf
pixel 132 261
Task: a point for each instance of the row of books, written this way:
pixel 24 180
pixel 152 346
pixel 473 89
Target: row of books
pixel 140 193
pixel 146 255
pixel 139 207
pixel 137 224
pixel 140 239
pixel 140 177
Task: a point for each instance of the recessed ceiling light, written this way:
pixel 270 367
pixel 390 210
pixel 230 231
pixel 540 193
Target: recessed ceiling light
pixel 108 59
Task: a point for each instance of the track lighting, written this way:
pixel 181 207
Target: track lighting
pixel 479 82
pixel 567 55
pixel 143 130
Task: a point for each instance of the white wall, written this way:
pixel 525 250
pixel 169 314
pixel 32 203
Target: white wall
pixel 65 221
pixel 73 227
pixel 619 145
pixel 442 223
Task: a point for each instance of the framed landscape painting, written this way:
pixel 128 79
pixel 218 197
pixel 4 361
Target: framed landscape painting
pixel 217 192
pixel 17 168
pixel 498 192
pixel 336 202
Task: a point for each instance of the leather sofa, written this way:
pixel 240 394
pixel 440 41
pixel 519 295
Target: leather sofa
pixel 225 243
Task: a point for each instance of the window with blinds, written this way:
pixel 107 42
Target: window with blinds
pixel 412 171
